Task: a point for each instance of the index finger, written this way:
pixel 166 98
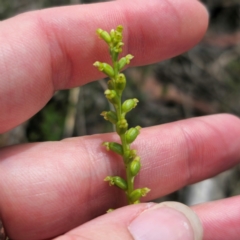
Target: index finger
pixel 52 49
pixel 49 188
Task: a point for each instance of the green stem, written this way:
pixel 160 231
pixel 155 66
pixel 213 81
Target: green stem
pixel 129 177
pixel 130 182
pixel 126 147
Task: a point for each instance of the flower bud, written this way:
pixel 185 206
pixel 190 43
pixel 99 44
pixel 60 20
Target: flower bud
pixel 133 153
pixel 111 95
pixel 129 155
pixel 119 28
pixel 124 60
pixel 110 84
pixel 132 134
pixel 110 210
pixel 112 33
pixel 110 116
pixel 120 182
pixel 117 181
pixel 120 82
pixel 117 37
pixel 135 166
pixel 121 126
pixel 138 193
pixel 129 104
pixel 135 195
pixel 104 35
pixel 113 146
pixel 118 47
pixel 104 67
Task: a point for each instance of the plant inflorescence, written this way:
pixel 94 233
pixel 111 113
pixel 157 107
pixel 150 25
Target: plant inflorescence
pixel 116 85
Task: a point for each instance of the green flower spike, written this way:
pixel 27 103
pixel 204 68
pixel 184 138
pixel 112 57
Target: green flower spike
pixel 116 85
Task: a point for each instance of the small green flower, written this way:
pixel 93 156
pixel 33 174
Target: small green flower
pixel 132 134
pixel 138 193
pixel 129 104
pixel 122 126
pixel 104 67
pixel 118 181
pixel 119 28
pixel 110 116
pixel 115 147
pixel 124 61
pixel 111 95
pixel 135 166
pixel 104 35
pixel 120 82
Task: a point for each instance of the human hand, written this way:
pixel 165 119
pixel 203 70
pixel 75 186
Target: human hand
pixel 49 188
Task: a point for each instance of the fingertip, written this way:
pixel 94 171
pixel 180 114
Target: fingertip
pixel 193 19
pixel 167 29
pixel 168 220
pixel 201 16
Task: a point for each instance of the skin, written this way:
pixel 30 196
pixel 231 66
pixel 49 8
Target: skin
pixel 50 188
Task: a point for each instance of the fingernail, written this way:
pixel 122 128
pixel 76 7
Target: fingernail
pixel 168 220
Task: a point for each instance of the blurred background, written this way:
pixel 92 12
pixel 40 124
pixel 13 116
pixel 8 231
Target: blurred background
pixel 203 81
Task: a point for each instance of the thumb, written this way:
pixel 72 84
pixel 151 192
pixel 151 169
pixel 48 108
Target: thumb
pixel 168 220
